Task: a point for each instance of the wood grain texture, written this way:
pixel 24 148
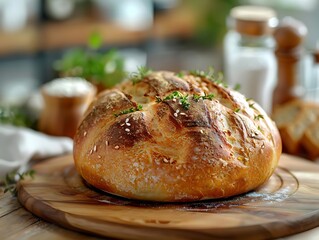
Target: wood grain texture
pixel 288 203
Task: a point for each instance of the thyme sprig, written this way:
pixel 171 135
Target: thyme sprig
pixel 251 105
pixel 258 117
pixel 211 75
pixel 237 87
pixel 183 99
pixel 13 177
pixel 206 96
pixel 130 110
pixel 174 95
pixel 180 74
pixel 142 72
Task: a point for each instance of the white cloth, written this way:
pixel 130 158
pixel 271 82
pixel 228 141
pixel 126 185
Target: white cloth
pixel 19 145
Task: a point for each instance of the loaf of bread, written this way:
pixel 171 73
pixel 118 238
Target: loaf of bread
pixel 297 122
pixel 173 137
pixel 310 140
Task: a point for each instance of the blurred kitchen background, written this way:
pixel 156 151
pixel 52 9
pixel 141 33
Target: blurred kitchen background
pixel 161 34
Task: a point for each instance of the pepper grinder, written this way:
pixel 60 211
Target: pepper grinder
pixel 288 36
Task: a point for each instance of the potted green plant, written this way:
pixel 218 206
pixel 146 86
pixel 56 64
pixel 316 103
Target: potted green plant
pixel 104 69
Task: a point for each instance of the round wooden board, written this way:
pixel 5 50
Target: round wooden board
pixel 288 203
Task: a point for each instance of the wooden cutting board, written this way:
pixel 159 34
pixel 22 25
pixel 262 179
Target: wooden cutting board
pixel 288 203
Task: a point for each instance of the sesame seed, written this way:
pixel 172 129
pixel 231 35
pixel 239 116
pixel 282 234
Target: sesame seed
pixel 106 143
pixel 127 130
pixel 175 115
pixel 165 160
pixel 197 150
pixel 99 156
pixel 177 110
pixel 182 113
pixel 128 124
pixel 84 134
pixel 90 151
pixel 122 124
pixel 174 99
pixel 94 148
pixel 117 147
pixel 201 131
pixel 127 120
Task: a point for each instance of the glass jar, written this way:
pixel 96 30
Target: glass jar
pixel 249 53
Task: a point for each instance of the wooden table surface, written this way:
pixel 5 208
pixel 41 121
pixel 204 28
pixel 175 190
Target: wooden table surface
pixel 18 223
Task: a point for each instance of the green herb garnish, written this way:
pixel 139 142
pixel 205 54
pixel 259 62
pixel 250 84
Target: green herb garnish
pixel 158 99
pixel 220 80
pixel 237 87
pixel 16 116
pixel 196 97
pixel 237 109
pixel 13 177
pixel 199 73
pixel 183 99
pixel 258 117
pixel 185 103
pixel 252 106
pixel 142 72
pixel 210 74
pixel 174 95
pixel 180 74
pixel 130 110
pixel 206 96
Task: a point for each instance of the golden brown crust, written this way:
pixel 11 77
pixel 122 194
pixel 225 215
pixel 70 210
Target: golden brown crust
pixel 216 148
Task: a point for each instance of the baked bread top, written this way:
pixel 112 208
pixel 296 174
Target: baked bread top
pixel 163 136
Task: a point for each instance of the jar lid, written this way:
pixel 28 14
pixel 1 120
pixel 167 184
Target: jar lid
pixel 253 20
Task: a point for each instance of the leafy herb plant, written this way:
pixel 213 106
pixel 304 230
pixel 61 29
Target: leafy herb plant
pixel 106 68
